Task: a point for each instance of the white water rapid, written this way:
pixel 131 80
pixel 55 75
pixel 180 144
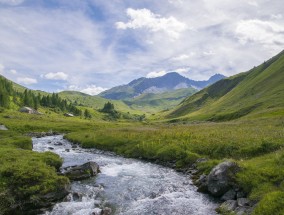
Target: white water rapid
pixel 128 186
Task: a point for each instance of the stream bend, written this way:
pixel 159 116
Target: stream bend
pixel 128 186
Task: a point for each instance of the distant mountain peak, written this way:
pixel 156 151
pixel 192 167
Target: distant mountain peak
pixel 168 82
pixel 217 77
pixel 173 74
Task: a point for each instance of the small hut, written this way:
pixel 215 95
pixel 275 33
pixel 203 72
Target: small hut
pixel 28 110
pixel 3 128
pixel 68 114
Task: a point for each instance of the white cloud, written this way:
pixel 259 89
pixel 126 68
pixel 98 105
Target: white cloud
pixel 264 32
pixel 2 69
pixel 156 74
pixel 93 90
pixel 208 53
pixel 181 58
pixel 253 3
pixel 276 16
pixel 74 88
pixel 39 39
pixel 56 76
pixel 144 18
pixel 11 2
pixel 46 40
pixel 182 70
pixel 12 71
pixel 176 2
pixel 27 81
pixel 90 89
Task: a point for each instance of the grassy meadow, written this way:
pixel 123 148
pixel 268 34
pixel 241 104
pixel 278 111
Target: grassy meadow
pixel 255 144
pixel 26 176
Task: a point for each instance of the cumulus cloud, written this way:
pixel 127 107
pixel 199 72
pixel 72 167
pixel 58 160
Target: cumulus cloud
pixel 181 57
pixel 264 32
pixel 89 89
pixel 2 69
pixel 40 38
pixel 93 90
pixel 12 71
pixel 144 18
pixel 56 76
pixel 253 3
pixel 276 16
pixel 27 81
pixel 156 74
pixel 182 70
pixel 179 2
pixel 208 53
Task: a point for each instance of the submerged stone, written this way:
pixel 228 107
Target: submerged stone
pixel 81 172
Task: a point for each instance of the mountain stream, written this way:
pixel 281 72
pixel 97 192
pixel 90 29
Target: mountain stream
pixel 128 186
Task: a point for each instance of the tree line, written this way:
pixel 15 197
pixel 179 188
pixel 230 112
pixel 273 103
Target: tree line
pixel 34 100
pixel 6 89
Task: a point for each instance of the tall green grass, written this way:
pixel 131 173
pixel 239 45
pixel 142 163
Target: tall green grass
pixel 256 145
pixel 237 140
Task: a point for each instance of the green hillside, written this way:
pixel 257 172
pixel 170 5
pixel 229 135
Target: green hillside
pixel 145 103
pixel 259 91
pixel 151 102
pixel 96 102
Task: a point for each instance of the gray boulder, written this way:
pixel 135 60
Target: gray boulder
pixel 243 210
pixel 221 178
pixel 243 202
pixel 81 172
pixel 241 194
pixel 229 205
pixel 106 211
pixel 3 128
pixel 56 196
pixel 202 184
pixel 229 195
pixel 238 207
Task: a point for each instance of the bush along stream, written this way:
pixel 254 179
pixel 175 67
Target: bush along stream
pixel 124 186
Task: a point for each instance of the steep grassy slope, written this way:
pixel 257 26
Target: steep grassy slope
pixel 258 91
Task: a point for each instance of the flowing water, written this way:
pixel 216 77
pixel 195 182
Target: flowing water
pixel 128 186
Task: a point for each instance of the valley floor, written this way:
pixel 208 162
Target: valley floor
pixel 256 145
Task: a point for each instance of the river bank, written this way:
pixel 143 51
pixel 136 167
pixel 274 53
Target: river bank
pixel 128 186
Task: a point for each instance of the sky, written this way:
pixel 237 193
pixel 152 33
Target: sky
pixel 93 45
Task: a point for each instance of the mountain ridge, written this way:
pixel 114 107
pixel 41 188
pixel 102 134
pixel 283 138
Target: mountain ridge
pixel 168 82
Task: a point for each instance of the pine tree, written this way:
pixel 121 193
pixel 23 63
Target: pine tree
pixel 87 114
